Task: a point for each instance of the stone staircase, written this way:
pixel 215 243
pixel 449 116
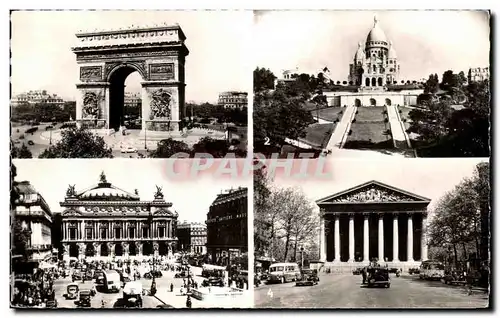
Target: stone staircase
pixel 339 136
pixel 399 136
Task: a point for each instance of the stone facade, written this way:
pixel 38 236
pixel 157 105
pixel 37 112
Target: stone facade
pixel 106 58
pixel 106 222
pixel 373 220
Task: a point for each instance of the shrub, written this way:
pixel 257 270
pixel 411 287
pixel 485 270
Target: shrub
pixel 350 132
pixel 386 120
pixel 400 111
pixel 354 120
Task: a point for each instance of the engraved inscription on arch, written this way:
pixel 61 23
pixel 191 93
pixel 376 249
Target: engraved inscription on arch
pixel 161 70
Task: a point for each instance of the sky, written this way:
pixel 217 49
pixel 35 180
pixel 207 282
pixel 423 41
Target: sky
pixel 430 178
pixel 425 41
pixel 219 58
pixel 190 198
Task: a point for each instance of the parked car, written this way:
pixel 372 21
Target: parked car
pixel 128 149
pixel 378 276
pixel 357 271
pixel 413 271
pixel 309 277
pixel 76 276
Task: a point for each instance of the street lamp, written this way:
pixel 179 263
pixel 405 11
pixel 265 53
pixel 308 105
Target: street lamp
pixel 302 257
pixel 145 139
pixel 50 136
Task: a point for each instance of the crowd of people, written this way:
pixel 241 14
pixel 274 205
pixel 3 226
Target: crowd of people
pixel 35 290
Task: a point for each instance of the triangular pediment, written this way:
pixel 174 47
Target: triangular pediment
pixel 372 192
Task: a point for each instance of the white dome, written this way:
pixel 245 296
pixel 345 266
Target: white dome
pixel 360 53
pixel 376 34
pixel 105 192
pixel 392 52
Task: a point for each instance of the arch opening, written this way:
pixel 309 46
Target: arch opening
pixel 132 250
pixel 374 81
pixel 147 249
pixel 357 102
pixel 373 102
pixel 104 250
pixel 388 102
pixel 162 249
pixel 118 249
pixel 380 81
pixel 367 82
pixel 73 250
pixel 117 102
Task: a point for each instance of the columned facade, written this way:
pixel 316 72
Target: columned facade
pixel 373 221
pixel 105 222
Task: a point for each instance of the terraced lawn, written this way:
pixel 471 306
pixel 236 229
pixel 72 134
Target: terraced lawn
pixel 318 135
pixel 368 135
pixel 330 113
pixel 370 114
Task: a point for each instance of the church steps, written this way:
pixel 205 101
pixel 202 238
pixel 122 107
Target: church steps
pixel 399 136
pixel 339 136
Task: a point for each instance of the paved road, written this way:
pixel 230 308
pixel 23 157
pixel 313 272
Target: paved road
pixel 345 291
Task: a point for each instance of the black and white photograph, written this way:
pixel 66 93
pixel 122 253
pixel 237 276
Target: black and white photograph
pixel 97 234
pixel 129 84
pixel 372 84
pixel 405 234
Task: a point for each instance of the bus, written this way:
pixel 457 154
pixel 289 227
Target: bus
pixel 431 270
pixel 284 272
pixel 112 281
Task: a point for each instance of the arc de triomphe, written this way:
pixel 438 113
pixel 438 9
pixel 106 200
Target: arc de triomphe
pixel 107 58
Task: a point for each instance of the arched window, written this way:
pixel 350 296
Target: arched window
pixel 373 102
pixel 380 81
pixel 357 102
pixel 374 81
pixel 374 68
pixel 388 102
pixel 367 82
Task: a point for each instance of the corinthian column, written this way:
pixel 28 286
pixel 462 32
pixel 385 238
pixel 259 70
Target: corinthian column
pixel 337 238
pixel 410 238
pixel 395 240
pixel 366 239
pixel 381 256
pixel 322 240
pixel 423 240
pixel 351 238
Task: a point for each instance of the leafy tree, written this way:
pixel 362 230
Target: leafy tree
pixel 432 84
pixel 263 79
pixel 22 153
pixel 262 223
pixel 78 143
pixel 20 239
pixel 168 147
pixel 215 147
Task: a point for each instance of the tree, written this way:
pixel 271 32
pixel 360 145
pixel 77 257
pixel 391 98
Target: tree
pixel 22 153
pixel 457 218
pixel 20 239
pixel 263 79
pixel 78 143
pixel 166 148
pixel 432 84
pixel 262 222
pixel 216 147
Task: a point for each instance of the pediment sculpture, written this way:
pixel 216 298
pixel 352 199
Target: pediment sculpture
pixel 373 194
pixel 156 246
pixel 90 106
pixel 71 212
pixel 163 212
pixel 160 104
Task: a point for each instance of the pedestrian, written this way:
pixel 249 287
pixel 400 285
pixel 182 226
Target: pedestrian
pixel 363 272
pixel 188 302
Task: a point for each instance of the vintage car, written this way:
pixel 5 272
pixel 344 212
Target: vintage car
pixel 132 294
pixel 414 271
pixel 308 277
pixel 213 281
pixel 51 304
pixel 454 279
pixel 378 276
pixel 72 291
pixel 151 274
pixel 357 271
pixel 182 274
pixel 77 275
pixel 99 277
pixel 85 298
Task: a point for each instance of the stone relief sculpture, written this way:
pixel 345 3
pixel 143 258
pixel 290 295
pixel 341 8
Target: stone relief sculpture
pixel 71 191
pixel 374 195
pixel 156 246
pixel 90 106
pixel 125 247
pixel 66 248
pixel 160 104
pixel 138 247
